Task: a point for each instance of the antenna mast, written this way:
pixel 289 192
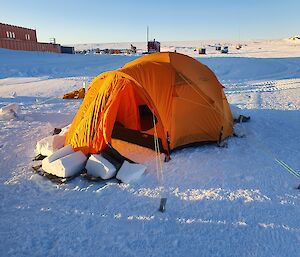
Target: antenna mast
pixel 147 34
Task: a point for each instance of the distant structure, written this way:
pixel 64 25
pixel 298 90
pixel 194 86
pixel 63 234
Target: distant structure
pixel 67 50
pixel 238 46
pixel 153 46
pixel 218 48
pixel 202 50
pixel 133 48
pixel 224 50
pixel 19 38
pixel 52 40
pixel 294 38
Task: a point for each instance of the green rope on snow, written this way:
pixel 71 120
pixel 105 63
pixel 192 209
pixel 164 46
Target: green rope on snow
pixel 288 168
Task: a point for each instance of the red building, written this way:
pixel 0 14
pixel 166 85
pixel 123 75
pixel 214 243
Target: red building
pixel 19 38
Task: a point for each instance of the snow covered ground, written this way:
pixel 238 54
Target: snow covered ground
pixel 234 201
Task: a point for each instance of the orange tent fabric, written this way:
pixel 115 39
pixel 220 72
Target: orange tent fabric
pixel 185 96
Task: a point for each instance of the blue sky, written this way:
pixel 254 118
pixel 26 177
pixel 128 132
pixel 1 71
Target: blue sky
pixel 91 21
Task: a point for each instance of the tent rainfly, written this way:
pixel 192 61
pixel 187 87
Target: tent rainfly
pixel 176 94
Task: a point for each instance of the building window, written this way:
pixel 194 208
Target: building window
pixel 27 36
pixel 10 34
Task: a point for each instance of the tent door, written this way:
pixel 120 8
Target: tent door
pixel 134 120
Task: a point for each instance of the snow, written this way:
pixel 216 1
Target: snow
pixel 234 201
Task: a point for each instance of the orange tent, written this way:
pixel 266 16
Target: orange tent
pixel 181 96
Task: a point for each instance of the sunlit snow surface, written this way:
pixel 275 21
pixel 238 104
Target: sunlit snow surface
pixel 233 201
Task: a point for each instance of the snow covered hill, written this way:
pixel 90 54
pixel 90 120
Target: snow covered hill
pixel 234 201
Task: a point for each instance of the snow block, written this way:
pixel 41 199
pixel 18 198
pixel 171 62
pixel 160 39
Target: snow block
pixel 9 111
pixel 239 130
pixel 65 130
pixel 236 111
pixel 130 172
pixel 66 166
pixel 9 108
pixel 62 152
pixel 50 144
pixel 98 166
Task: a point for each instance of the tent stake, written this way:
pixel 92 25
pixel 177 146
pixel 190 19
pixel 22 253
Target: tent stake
pixel 162 206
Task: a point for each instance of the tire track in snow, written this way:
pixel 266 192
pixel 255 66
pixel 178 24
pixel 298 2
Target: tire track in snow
pixel 269 86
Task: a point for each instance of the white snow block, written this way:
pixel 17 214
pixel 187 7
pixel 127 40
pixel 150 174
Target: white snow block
pixel 239 130
pixel 66 166
pixel 62 152
pixel 130 172
pixel 9 108
pixel 65 130
pixel 9 111
pixel 50 144
pixel 98 166
pixel 236 111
